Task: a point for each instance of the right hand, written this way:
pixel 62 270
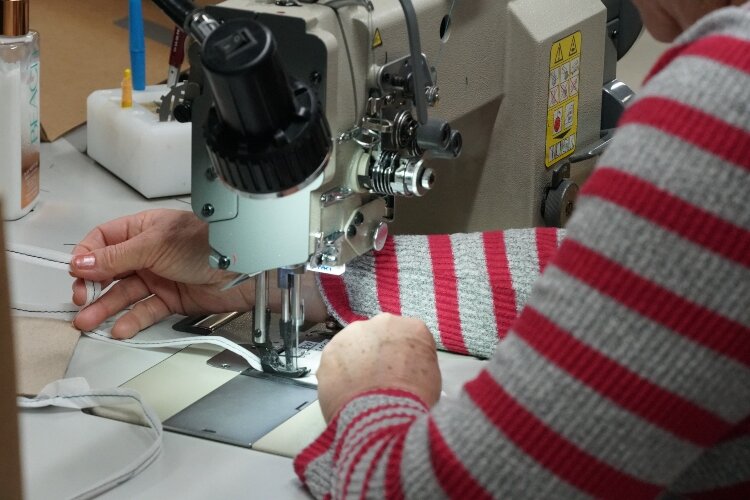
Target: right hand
pixel 160 258
pixel 386 352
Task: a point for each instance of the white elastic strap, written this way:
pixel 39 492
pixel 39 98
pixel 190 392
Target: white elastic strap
pixel 67 311
pixel 252 359
pixel 54 260
pixel 40 256
pixel 63 311
pixel 93 292
pixel 75 393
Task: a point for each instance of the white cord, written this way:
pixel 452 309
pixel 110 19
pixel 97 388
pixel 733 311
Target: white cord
pixel 67 310
pixel 75 393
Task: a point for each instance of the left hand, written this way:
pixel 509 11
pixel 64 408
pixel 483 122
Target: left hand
pixel 160 258
pixel 386 352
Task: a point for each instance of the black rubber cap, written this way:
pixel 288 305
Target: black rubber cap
pixel 265 133
pixel 294 156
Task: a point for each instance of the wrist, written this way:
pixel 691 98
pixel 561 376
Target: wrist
pixel 332 407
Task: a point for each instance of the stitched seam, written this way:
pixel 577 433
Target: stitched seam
pixel 37 257
pixel 42 311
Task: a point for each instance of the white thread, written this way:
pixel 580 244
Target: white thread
pixel 75 393
pixel 93 292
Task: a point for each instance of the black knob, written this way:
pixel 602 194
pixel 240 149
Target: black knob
pixel 249 86
pixel 183 112
pixel 559 203
pixel 265 134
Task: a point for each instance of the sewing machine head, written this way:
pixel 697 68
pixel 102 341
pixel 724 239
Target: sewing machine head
pixel 317 125
pixel 311 119
pixel 277 183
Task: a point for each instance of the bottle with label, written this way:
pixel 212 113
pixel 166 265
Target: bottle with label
pixel 20 128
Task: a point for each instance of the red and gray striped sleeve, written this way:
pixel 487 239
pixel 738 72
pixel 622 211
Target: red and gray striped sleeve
pixel 467 288
pixel 627 373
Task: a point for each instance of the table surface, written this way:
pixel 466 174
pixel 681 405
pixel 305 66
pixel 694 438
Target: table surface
pixel 63 451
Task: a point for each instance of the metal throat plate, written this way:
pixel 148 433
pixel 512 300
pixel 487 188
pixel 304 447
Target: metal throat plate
pixel 252 404
pixel 244 409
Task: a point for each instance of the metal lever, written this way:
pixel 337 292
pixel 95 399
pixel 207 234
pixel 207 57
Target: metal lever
pixel 596 149
pixel 415 46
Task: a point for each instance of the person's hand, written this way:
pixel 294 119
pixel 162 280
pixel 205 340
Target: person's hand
pixel 386 352
pixel 161 260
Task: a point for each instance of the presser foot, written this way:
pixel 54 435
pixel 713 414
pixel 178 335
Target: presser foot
pixel 272 363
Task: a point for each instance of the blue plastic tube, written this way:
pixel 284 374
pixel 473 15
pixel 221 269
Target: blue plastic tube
pixel 137 45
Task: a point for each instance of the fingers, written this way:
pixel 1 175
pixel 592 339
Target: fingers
pixel 105 263
pixel 148 310
pixel 122 295
pixel 87 261
pixel 110 233
pixel 145 313
pixel 80 291
pixel 385 352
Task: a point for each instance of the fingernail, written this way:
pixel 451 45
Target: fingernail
pixel 85 261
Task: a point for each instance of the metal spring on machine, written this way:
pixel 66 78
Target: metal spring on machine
pixel 382 172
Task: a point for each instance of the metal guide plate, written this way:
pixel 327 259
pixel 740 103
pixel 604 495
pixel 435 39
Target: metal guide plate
pixel 244 409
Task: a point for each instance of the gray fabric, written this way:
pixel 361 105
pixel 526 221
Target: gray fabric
pixel 590 419
pixel 417 299
pixel 692 173
pixel 680 85
pixel 417 287
pixel 423 484
pixel 476 308
pixel 364 298
pixel 573 410
pixel 495 463
pixel 523 262
pixel 716 372
pixel 721 286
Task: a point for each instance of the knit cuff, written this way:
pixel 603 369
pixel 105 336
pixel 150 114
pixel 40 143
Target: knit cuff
pixel 467 288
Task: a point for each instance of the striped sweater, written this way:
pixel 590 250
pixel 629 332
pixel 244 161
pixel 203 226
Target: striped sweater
pixel 627 372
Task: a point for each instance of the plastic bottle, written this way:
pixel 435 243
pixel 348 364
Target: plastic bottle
pixel 20 128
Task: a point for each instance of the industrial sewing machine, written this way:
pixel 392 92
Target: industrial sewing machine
pixel 320 126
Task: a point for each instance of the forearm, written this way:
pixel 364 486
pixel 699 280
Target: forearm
pixel 467 288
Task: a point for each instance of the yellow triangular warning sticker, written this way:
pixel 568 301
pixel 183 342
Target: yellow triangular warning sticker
pixel 377 40
pixel 559 56
pixel 573 48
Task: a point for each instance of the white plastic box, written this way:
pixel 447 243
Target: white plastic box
pixel 151 156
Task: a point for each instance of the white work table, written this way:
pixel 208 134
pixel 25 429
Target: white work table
pixel 63 451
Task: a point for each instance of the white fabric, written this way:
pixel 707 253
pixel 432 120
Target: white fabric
pixel 75 393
